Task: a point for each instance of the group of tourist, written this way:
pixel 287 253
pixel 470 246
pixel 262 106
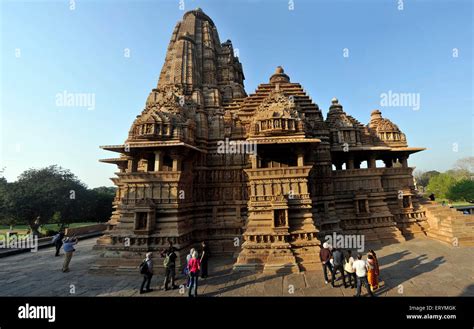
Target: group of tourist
pixel 359 272
pixel 67 243
pixel 196 265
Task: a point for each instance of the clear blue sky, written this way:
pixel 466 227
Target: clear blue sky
pixel 82 51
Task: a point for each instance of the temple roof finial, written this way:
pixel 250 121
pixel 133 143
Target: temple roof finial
pixel 279 76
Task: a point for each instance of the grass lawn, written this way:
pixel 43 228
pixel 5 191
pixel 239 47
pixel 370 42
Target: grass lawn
pixel 455 204
pixel 21 229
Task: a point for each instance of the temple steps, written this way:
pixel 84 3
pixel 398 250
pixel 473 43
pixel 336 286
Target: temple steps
pixel 412 230
pixel 448 225
pixel 383 235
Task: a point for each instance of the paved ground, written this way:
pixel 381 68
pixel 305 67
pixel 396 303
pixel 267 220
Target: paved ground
pixel 419 267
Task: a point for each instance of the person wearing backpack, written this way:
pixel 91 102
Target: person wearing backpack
pixel 58 242
pixel 170 266
pixel 146 269
pixel 194 266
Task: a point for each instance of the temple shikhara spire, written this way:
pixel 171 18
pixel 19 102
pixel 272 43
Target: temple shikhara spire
pixel 286 178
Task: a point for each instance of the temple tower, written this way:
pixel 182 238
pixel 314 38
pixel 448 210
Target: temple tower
pixel 166 182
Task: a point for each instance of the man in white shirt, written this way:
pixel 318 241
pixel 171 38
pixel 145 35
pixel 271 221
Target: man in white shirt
pixel 360 268
pixel 350 272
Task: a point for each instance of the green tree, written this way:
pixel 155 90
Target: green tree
pixel 42 192
pixel 3 199
pixel 101 206
pixel 55 195
pixel 440 184
pixel 423 177
pixel 462 190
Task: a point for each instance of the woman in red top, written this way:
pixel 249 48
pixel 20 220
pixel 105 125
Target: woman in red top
pixel 194 265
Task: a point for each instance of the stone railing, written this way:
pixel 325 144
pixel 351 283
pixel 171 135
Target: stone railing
pixel 85 229
pixel 415 215
pixel 371 172
pixel 259 198
pixel 278 172
pixel 138 177
pixel 137 201
pixel 372 179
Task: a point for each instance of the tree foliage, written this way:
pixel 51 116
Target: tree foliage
pixel 455 184
pixel 462 190
pixel 423 177
pixel 440 184
pixel 53 194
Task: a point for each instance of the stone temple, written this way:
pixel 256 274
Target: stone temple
pixel 261 177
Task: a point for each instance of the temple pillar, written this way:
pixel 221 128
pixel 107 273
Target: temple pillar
pixel 122 167
pixel 388 163
pixel 133 165
pixel 253 160
pixel 300 159
pixel 404 161
pixel 371 163
pixel 350 163
pixel 176 162
pixel 158 160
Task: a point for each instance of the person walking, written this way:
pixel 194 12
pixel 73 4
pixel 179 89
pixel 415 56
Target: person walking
pixel 338 265
pixel 146 268
pixel 350 273
pixel 170 266
pixel 204 259
pixel 325 257
pixel 68 247
pixel 58 242
pixel 360 268
pixel 186 269
pixel 194 266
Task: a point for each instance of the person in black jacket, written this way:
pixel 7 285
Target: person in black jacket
pixel 204 259
pixel 170 266
pixel 58 242
pixel 338 265
pixel 147 274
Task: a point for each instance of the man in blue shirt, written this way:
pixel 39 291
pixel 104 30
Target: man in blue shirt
pixel 68 247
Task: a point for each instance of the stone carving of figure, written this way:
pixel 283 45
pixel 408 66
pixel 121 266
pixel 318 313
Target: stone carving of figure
pixel 280 220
